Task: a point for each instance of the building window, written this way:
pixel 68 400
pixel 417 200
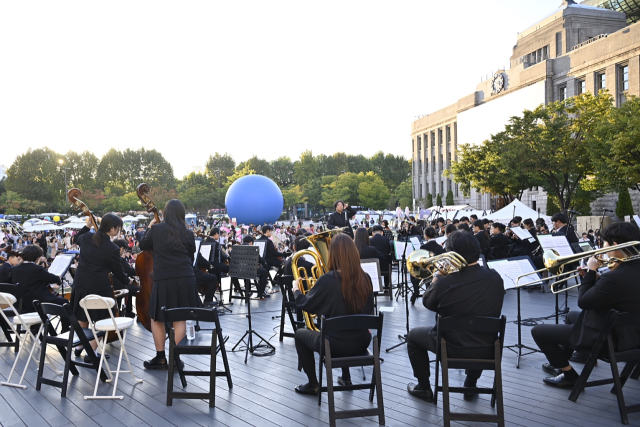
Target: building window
pixel 433 140
pixel 442 188
pixel 562 93
pixel 448 133
pixel 601 81
pixel 456 186
pixel 419 147
pixel 581 87
pixel 624 83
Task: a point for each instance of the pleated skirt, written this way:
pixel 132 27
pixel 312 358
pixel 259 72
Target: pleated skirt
pixel 180 292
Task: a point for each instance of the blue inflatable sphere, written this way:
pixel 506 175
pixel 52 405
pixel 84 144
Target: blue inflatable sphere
pixel 254 199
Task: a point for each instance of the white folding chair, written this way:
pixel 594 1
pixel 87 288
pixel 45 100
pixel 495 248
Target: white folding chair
pixel 113 324
pixel 26 321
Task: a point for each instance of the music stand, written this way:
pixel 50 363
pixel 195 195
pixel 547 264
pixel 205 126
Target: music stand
pixel 59 266
pixel 405 284
pixel 244 265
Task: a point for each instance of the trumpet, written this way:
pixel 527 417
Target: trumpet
pixel 421 264
pixel 555 264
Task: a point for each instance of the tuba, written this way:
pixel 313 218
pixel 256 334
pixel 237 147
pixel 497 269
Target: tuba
pixel 422 265
pixel 320 242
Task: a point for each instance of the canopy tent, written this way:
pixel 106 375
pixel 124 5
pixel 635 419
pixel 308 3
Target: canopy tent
pixel 129 218
pixel 34 221
pixel 141 217
pixel 452 208
pixel 42 227
pixel 74 225
pixel 513 209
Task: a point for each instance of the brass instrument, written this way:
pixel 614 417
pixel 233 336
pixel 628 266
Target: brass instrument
pixel 555 264
pixel 421 264
pixel 320 242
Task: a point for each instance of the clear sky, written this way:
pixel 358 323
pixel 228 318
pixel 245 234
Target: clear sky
pixel 266 78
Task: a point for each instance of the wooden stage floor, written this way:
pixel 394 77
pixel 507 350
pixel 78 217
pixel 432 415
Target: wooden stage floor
pixel 263 389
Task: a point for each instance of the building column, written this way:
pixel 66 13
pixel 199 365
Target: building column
pixel 612 83
pixel 634 76
pixel 425 167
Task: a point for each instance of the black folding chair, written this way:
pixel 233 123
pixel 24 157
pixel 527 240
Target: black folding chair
pixel 65 343
pixel 205 343
pixel 604 349
pixel 480 325
pixel 288 307
pixel 8 332
pixel 347 323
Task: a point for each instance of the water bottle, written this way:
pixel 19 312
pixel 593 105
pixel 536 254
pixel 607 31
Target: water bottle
pixel 191 330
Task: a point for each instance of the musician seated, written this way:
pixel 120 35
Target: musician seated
pixel 13 259
pixel 130 272
pixel 300 244
pixel 262 273
pixel 481 234
pixel 361 241
pixel 272 257
pixel 499 241
pixel 33 280
pixel 474 291
pixel 434 249
pixel 345 290
pixel 379 241
pixel 616 289
pixel 208 281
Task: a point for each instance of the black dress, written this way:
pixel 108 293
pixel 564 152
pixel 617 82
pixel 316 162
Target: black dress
pixel 92 274
pixel 174 282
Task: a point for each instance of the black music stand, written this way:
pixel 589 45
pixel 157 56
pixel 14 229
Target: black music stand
pixel 405 284
pixel 244 265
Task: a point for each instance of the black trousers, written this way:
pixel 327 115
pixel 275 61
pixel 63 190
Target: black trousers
pixel 553 340
pixel 224 268
pixel 209 283
pixel 419 343
pixel 308 342
pixel 274 262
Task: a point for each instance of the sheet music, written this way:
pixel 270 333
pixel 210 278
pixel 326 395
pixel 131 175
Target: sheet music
pixel 523 234
pixel 195 254
pixel 400 246
pixel 415 242
pixel 637 219
pixel 205 251
pixel 510 270
pixel 559 243
pixel 60 265
pixel 262 245
pixel 371 268
pixel 441 240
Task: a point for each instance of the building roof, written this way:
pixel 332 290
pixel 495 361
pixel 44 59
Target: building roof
pixel 630 7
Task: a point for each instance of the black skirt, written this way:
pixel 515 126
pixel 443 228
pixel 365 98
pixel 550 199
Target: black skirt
pixel 172 293
pixel 77 294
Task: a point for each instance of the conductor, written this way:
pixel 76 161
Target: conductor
pixel 340 218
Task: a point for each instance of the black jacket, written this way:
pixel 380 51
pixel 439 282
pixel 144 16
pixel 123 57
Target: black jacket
pixel 5 272
pixel 433 246
pixel 301 263
pixel 616 289
pixel 337 220
pixel 474 291
pixel 325 299
pixel 33 281
pixel 367 252
pixel 129 271
pixel 383 245
pixel 482 239
pixel 169 261
pixel 216 255
pixel 500 242
pixel 96 262
pixel 566 231
pixel 270 250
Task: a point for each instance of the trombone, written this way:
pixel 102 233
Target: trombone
pixel 555 264
pixel 422 265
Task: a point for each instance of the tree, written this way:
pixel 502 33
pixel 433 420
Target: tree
pixel 292 196
pixel 449 198
pixel 259 166
pixel 552 205
pixel 306 169
pixel 439 200
pixel 219 168
pixel 125 203
pixel 614 147
pixel 372 192
pixel 429 200
pixel 345 187
pixel 282 171
pixel 403 195
pixel 11 203
pixel 82 169
pixel 239 173
pixel 624 206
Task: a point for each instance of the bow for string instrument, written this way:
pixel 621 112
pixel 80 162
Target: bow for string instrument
pixel 144 264
pixel 73 196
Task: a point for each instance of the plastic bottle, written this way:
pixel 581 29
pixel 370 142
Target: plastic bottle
pixel 191 330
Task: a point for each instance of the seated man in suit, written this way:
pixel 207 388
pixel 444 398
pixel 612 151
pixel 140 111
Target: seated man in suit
pixel 271 255
pixel 434 248
pixel 474 291
pixel 499 241
pixel 383 245
pixel 13 259
pixel 617 289
pixel 262 273
pixel 208 281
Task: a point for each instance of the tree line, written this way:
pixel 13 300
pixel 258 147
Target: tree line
pixel 35 181
pixel 576 150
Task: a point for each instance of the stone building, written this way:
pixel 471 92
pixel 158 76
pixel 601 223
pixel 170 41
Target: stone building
pixel 579 47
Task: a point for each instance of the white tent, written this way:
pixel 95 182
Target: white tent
pixel 129 218
pixel 42 227
pixel 513 209
pixel 141 217
pixel 74 225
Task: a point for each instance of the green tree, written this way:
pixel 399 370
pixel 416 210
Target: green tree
pixel 345 187
pixel 624 206
pixel 372 192
pixel 259 166
pixel 282 171
pixel 12 203
pixel 82 169
pixel 292 196
pixel 306 169
pixel 449 198
pixel 239 173
pixel 429 200
pixel 122 204
pixel 219 168
pixel 439 200
pixel 402 195
pixel 552 205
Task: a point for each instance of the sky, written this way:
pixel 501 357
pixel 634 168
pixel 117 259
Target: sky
pixel 266 78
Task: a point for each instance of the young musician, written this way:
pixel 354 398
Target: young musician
pixel 345 290
pixel 499 241
pixel 203 277
pixel 271 255
pixel 98 257
pixel 560 224
pixel 481 234
pixel 365 250
pixel 617 289
pixel 474 291
pixel 340 218
pixel 300 244
pixel 13 259
pixel 130 272
pixel 434 248
pixel 174 283
pixel 262 273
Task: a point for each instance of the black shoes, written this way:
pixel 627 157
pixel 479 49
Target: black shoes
pixel 551 370
pixel 157 363
pixel 77 351
pixel 414 297
pixel 344 382
pixel 421 393
pixel 470 382
pixel 307 389
pixel 560 381
pixel 87 359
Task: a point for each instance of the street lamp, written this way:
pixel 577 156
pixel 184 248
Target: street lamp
pixel 61 161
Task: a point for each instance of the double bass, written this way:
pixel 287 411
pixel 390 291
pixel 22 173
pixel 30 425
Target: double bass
pixel 144 264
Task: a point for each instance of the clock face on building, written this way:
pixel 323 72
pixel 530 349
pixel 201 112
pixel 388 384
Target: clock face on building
pixel 497 85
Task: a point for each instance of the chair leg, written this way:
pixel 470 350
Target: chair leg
pixel 212 371
pixel 67 364
pixel 435 389
pixel 582 380
pixel 223 350
pixel 126 355
pixel 636 372
pixel 624 375
pixel 378 379
pixel 102 346
pixel 43 350
pixel 332 407
pixel 497 385
pixel 446 408
pixel 322 356
pixel 617 384
pixel 23 343
pixel 170 376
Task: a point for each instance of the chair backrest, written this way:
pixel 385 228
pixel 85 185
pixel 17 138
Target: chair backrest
pixel 7 299
pixel 97 302
pixel 10 288
pixel 349 323
pixel 182 314
pixel 478 324
pixel 46 309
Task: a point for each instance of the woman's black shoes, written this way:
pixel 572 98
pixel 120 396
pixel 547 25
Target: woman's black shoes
pixel 78 351
pixel 307 389
pixel 344 382
pixel 157 363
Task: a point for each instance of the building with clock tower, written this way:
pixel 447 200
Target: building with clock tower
pixel 579 47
